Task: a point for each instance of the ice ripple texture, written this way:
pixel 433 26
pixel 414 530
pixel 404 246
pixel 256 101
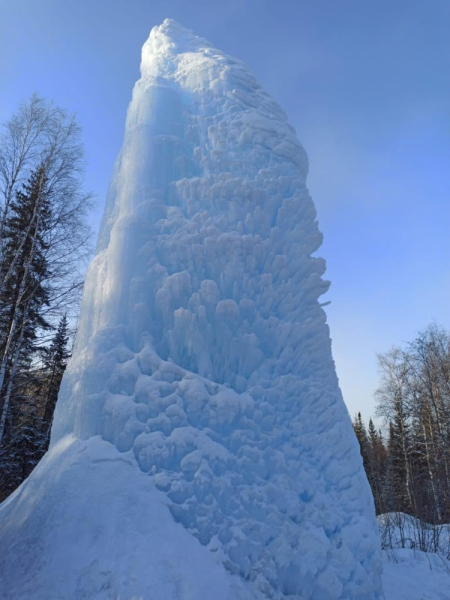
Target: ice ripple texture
pixel 202 345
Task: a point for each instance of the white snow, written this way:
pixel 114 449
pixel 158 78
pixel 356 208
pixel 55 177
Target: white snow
pixel 83 498
pixel 400 530
pixel 415 575
pixel 416 563
pixel 203 356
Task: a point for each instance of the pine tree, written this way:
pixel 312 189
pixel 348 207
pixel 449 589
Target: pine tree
pixel 27 437
pixel 23 445
pixel 361 435
pixel 377 471
pixel 400 451
pixel 55 359
pixel 44 246
pixel 23 301
pixel 24 293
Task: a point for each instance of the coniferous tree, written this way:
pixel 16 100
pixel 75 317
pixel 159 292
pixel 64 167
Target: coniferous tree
pixel 377 472
pixel 24 442
pixel 28 435
pixel 361 435
pixel 55 359
pixel 430 363
pixel 44 245
pixel 25 295
pixel 411 473
pixel 400 496
pixel 396 405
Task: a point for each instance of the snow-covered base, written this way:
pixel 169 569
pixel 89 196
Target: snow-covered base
pixel 415 565
pixel 416 576
pixel 122 542
pixel 400 530
pixel 240 471
pixel 119 542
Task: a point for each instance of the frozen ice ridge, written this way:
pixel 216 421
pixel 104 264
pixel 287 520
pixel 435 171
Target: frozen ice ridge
pixel 202 381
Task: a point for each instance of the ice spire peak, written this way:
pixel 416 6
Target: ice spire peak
pixel 166 43
pixel 173 30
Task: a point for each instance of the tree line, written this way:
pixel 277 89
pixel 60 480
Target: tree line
pixel 408 467
pixel 44 245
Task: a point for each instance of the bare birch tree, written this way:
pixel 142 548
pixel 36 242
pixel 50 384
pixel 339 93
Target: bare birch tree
pixel 44 237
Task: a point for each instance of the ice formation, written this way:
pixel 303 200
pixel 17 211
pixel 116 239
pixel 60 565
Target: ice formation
pixel 203 353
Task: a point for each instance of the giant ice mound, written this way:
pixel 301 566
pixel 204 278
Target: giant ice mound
pixel 203 353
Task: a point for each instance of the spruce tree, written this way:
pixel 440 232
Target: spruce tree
pixel 44 246
pixel 27 437
pixel 377 471
pixel 400 465
pixel 55 359
pixel 24 442
pixel 361 435
pixel 23 301
pixel 23 273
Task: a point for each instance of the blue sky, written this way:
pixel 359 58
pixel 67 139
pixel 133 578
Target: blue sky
pixel 366 84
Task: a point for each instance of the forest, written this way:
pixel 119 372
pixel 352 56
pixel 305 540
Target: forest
pixel 407 462
pixel 45 242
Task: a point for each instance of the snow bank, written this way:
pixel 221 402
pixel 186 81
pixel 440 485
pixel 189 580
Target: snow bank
pixel 61 531
pixel 400 530
pixel 416 562
pixel 416 576
pixel 203 350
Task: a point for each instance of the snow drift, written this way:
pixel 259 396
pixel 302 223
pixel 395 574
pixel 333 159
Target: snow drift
pixel 203 360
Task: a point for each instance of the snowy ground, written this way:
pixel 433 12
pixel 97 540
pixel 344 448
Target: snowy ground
pixel 416 576
pixel 409 573
pixel 120 527
pixel 92 526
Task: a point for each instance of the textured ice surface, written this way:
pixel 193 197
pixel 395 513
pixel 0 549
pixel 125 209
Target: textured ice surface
pixel 203 350
pixel 89 526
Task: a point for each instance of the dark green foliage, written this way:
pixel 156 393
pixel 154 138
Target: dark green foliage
pixel 55 359
pixel 44 245
pixel 24 268
pixel 411 473
pixel 27 436
pixel 23 446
